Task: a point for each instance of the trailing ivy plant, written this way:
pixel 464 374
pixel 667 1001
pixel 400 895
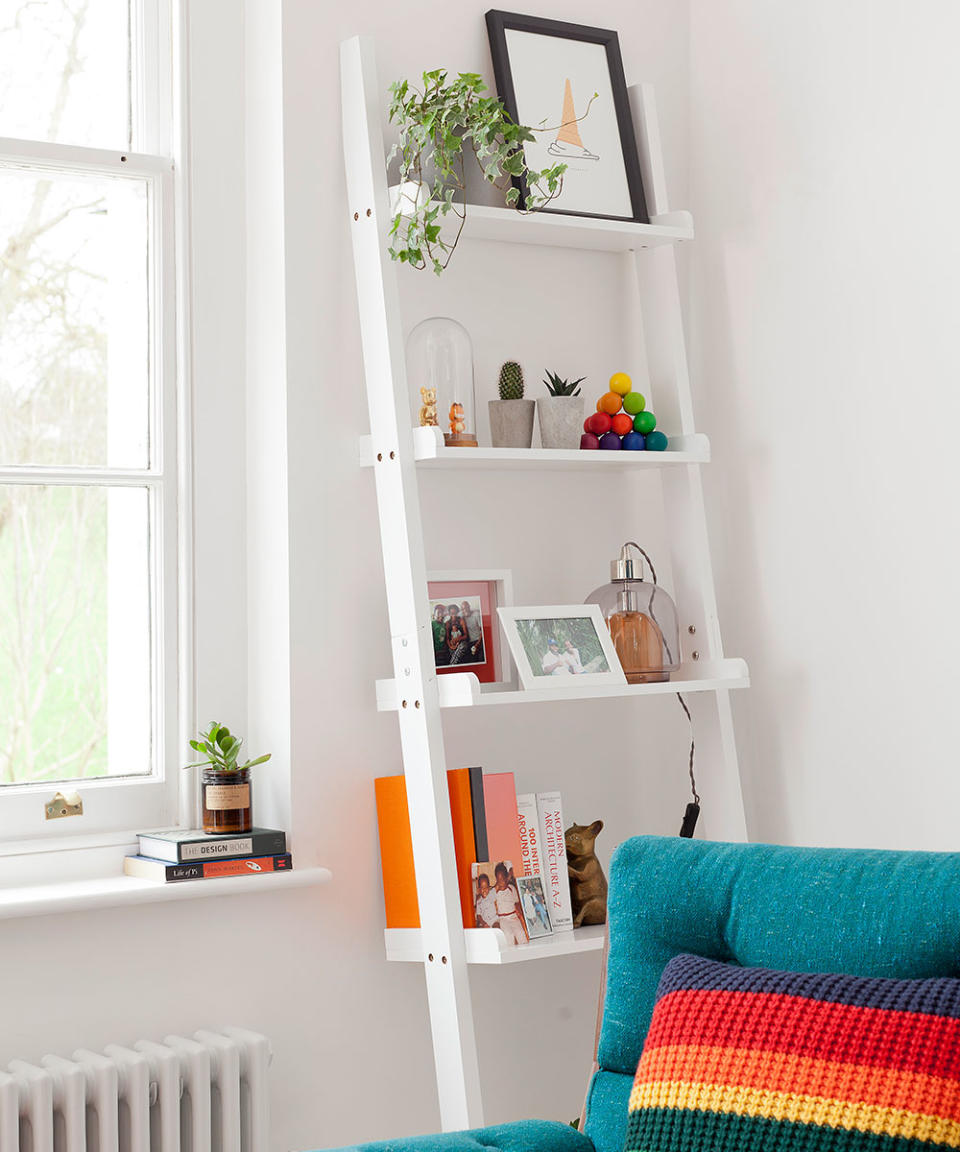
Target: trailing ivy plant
pixel 440 126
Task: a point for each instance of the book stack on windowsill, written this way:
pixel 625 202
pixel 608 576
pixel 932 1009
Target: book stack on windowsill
pixel 190 854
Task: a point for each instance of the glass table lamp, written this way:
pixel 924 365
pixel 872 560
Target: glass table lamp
pixel 440 374
pixel 642 620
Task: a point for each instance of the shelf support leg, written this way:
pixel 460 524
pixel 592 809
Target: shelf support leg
pixel 401 534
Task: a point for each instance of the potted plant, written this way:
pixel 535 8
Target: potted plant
pixel 225 784
pixel 561 413
pixel 511 417
pixel 440 125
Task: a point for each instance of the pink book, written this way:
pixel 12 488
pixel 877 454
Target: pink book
pixel 503 832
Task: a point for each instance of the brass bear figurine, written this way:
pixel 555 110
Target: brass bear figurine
pixel 428 413
pixel 588 885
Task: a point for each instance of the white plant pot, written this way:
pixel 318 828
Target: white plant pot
pixel 561 421
pixel 408 197
pixel 511 423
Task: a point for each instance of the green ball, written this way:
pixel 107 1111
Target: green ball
pixel 645 422
pixel 633 403
pixel 657 442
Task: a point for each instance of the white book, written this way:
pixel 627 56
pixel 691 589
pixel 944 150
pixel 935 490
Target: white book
pixel 529 835
pixel 553 860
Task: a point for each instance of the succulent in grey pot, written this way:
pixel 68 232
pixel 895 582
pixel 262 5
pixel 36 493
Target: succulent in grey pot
pixel 511 417
pixel 561 413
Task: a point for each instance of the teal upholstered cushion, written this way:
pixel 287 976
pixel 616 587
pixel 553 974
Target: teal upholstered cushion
pixel 868 913
pixel 523 1136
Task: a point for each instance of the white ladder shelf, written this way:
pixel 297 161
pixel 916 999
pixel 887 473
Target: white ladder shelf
pixel 397 453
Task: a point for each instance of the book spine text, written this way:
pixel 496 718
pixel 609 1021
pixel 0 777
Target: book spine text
pixel 553 856
pixel 529 835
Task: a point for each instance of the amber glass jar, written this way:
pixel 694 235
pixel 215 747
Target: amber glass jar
pixel 227 802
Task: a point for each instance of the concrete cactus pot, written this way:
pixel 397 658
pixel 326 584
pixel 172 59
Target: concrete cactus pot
pixel 511 423
pixel 561 421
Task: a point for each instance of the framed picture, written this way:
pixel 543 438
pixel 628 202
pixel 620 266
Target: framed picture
pixel 463 617
pixel 563 646
pixel 566 83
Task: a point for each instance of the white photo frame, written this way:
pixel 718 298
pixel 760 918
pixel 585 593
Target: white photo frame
pixel 561 646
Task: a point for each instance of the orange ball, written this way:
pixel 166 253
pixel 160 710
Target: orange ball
pixel 622 424
pixel 610 403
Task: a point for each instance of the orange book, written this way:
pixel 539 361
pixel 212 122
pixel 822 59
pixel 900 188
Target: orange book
pixel 396 846
pixel 464 843
pixel 503 825
pixel 396 853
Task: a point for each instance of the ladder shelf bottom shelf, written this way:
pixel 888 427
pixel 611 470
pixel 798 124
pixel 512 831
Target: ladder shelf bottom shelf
pixel 489 945
pixel 430 452
pixel 464 690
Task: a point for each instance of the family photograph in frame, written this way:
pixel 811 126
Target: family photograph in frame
pixel 463 621
pixel 566 83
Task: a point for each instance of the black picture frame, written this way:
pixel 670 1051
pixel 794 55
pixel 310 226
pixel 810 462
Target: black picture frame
pixel 498 23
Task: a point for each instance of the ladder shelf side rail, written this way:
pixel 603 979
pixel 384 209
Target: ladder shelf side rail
pixel 442 942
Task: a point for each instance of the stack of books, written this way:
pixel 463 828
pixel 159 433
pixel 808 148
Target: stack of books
pixel 492 826
pixel 178 854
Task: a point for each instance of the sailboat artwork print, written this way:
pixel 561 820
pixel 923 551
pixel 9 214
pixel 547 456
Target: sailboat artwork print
pixel 566 83
pixel 568 144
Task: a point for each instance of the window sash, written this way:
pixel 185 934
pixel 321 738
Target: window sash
pixel 117 804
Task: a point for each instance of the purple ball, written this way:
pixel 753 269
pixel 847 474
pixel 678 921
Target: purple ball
pixel 589 441
pixel 634 442
pixel 610 440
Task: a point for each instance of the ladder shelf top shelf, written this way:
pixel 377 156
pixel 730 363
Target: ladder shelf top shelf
pixel 489 945
pixel 558 230
pixel 464 690
pixel 430 453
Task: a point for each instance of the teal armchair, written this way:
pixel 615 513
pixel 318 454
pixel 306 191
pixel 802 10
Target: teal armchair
pixel 869 913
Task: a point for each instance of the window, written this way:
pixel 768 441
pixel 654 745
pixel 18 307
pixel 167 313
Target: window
pixel 88 415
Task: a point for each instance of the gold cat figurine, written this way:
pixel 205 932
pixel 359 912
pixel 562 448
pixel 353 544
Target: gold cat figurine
pixel 588 885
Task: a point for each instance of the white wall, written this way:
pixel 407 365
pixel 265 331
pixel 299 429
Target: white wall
pixel 826 291
pixel 350 1032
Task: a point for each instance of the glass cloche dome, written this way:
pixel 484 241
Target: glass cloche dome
pixel 440 377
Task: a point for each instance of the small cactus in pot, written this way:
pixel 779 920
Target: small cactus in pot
pixel 511 417
pixel 511 381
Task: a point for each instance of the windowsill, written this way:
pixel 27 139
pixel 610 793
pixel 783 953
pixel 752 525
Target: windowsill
pixel 117 891
pixel 86 873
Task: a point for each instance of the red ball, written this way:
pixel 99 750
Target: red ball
pixel 586 424
pixel 599 423
pixel 610 440
pixel 622 424
pixel 588 441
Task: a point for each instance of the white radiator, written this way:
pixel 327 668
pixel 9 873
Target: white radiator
pixel 204 1094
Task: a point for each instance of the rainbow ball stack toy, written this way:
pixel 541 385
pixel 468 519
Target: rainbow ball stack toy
pixel 622 422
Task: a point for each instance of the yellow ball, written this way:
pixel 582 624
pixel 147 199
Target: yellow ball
pixel 620 383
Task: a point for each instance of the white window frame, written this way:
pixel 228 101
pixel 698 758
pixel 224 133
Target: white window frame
pixel 113 807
